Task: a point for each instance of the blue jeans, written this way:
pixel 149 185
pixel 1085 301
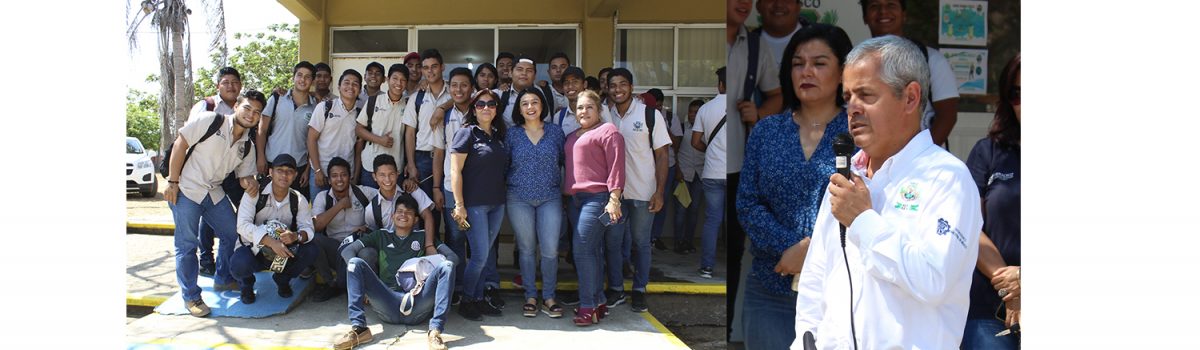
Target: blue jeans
pixel 424 162
pixel 536 224
pixel 432 302
pixel 245 263
pixel 485 223
pixel 457 240
pixel 685 219
pixel 638 227
pixel 661 216
pixel 187 216
pixel 981 334
pixel 313 189
pixel 773 325
pixel 714 213
pixel 587 243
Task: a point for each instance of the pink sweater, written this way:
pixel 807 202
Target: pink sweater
pixel 596 161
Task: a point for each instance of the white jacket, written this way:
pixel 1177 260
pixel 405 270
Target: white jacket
pixel 911 257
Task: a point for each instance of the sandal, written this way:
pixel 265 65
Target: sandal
pixel 553 310
pixel 530 308
pixel 586 316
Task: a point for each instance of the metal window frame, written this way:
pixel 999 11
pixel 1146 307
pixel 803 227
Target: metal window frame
pixel 414 30
pixel 674 91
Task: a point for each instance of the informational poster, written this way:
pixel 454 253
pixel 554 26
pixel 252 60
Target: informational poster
pixel 963 23
pixel 970 69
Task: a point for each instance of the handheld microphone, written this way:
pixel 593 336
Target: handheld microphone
pixel 843 146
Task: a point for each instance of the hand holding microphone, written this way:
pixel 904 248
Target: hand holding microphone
pixel 847 199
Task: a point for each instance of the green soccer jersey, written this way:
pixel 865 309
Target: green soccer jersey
pixel 393 251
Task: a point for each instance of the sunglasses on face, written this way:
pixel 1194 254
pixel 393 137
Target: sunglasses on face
pixel 485 104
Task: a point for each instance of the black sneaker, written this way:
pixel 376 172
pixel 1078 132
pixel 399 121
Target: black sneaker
pixel 325 292
pixel 568 298
pixel 456 298
pixel 658 244
pixel 248 296
pixel 208 270
pixel 486 309
pixel 492 295
pixel 615 297
pixel 639 302
pixel 706 272
pixel 285 288
pixel 467 310
pixel 307 273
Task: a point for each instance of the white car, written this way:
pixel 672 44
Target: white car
pixel 139 169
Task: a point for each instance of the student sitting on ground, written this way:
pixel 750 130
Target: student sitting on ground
pixel 258 245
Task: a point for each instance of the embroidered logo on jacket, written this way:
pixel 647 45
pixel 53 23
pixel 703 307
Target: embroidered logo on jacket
pixel 909 194
pixel 999 176
pixel 943 227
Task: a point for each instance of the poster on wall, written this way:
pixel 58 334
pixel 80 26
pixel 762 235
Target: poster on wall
pixel 970 69
pixel 963 23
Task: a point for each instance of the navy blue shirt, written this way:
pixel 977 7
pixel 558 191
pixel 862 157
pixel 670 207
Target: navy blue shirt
pixel 487 163
pixel 534 173
pixel 780 192
pixel 997 172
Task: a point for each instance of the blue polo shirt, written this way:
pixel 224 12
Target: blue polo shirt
pixel 996 169
pixel 486 166
pixel 534 173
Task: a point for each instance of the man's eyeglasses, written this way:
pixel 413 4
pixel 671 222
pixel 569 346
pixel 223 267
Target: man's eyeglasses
pixel 485 104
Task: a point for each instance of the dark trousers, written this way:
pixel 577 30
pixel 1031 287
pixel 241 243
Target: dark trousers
pixel 736 243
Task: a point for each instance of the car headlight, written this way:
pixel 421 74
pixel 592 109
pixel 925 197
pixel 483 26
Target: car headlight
pixel 144 164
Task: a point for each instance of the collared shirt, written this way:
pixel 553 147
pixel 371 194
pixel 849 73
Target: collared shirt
pixel 767 80
pixel 911 257
pixel 249 223
pixel 565 119
pixel 337 132
pixel 452 124
pixel 780 192
pixel 388 205
pixel 347 220
pixel 486 166
pixel 427 138
pixel 214 158
pixel 508 108
pixel 220 108
pixel 386 119
pixel 707 118
pixel 290 134
pixel 560 100
pixel 640 181
pixel 362 95
pixel 533 173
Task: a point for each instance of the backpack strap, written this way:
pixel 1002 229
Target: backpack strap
pixel 370 114
pixel 419 102
pixel 328 199
pixel 562 115
pixel 377 211
pixel 262 202
pixel 446 118
pixel 274 114
pixel 752 41
pixel 294 204
pixel 328 108
pixel 720 125
pixel 650 124
pixel 358 193
pixel 212 129
pixel 503 102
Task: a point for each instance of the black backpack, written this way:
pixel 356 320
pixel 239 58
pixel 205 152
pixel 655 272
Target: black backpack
pixel 362 198
pixel 650 123
pixel 293 203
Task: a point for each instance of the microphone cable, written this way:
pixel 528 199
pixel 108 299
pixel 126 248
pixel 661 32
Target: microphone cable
pixel 853 336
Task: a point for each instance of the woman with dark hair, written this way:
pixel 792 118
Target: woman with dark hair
pixel 789 158
pixel 479 159
pixel 534 207
pixel 995 163
pixel 486 77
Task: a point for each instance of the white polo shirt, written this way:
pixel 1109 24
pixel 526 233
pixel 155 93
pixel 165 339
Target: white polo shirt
pixel 911 257
pixel 427 138
pixel 691 160
pixel 707 118
pixel 290 135
pixel 941 83
pixel 452 125
pixel 388 205
pixel 248 221
pixel 387 119
pixel 565 119
pixel 640 182
pixel 512 104
pixel 337 132
pixel 346 221
pixel 214 158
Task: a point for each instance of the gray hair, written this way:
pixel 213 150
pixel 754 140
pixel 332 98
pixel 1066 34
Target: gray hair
pixel 901 62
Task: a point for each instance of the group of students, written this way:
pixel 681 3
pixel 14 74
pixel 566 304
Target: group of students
pixel 563 160
pixel 930 246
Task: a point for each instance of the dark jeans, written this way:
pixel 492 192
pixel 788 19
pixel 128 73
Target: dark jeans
pixel 328 261
pixel 686 218
pixel 669 200
pixel 424 161
pixel 735 242
pixel 245 263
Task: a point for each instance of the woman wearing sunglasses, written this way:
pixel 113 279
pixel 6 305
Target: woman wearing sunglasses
pixel 995 163
pixel 595 176
pixel 479 161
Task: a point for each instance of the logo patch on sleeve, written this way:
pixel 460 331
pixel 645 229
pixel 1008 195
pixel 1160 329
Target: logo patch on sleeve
pixel 943 227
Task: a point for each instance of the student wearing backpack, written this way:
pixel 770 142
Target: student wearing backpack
pixel 708 136
pixel 283 128
pixel 379 125
pixel 288 206
pixel 195 169
pixel 461 89
pixel 646 145
pixel 386 174
pixel 422 143
pixel 229 85
pixel 331 132
pixel 338 213
pixel 654 98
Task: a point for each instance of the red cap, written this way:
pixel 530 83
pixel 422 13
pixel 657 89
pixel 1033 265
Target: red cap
pixel 649 100
pixel 412 55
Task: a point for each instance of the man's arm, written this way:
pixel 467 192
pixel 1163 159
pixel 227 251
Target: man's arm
pixel 260 143
pixel 945 115
pixel 304 220
pixel 175 169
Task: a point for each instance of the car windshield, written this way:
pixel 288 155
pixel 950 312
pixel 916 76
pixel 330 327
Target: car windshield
pixel 132 146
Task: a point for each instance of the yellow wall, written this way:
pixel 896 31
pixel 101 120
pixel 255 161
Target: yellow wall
pixel 595 18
